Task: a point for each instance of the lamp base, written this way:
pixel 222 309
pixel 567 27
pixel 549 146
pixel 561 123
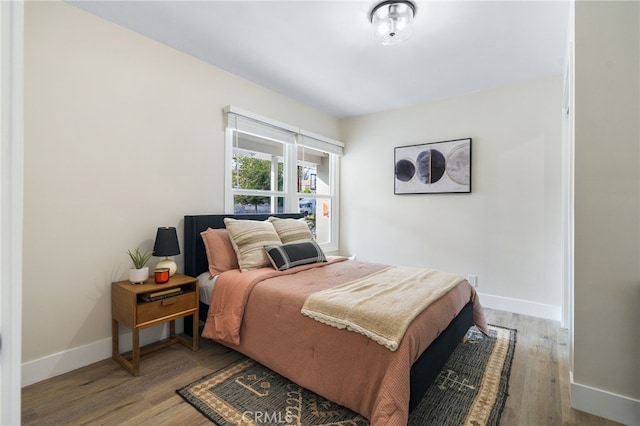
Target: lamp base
pixel 168 263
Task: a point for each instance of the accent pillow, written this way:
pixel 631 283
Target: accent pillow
pixel 222 257
pixel 291 230
pixel 289 255
pixel 248 238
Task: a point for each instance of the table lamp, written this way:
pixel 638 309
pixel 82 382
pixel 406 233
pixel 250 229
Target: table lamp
pixel 166 245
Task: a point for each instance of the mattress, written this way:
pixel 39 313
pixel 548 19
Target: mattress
pixel 206 284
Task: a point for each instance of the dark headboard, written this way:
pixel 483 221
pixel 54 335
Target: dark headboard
pixel 195 256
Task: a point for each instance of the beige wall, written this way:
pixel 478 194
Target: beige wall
pixel 607 198
pixel 122 135
pixel 507 231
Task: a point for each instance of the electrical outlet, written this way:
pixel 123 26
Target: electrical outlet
pixel 473 280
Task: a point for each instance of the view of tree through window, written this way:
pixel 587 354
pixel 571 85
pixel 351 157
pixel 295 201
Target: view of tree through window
pixel 251 172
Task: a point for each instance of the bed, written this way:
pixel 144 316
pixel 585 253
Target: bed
pixel 311 358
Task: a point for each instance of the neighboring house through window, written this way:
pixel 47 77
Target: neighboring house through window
pixel 273 167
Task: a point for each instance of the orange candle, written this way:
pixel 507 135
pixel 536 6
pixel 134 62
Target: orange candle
pixel 161 275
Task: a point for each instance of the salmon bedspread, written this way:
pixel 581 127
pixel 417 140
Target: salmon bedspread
pixel 258 313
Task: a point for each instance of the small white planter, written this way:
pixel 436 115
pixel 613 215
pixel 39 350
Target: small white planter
pixel 137 276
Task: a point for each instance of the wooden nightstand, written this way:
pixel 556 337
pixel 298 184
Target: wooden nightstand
pixel 129 308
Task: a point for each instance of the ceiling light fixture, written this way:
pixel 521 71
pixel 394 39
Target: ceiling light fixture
pixel 392 21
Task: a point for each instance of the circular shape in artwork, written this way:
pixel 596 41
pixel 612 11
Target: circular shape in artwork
pixel 405 170
pixel 431 166
pixel 458 164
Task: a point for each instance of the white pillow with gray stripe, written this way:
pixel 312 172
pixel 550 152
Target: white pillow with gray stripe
pixel 291 230
pixel 248 238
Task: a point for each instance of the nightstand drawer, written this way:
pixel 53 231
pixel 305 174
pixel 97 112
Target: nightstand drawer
pixel 150 311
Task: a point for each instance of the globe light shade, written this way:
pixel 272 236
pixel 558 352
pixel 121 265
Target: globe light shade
pixel 393 21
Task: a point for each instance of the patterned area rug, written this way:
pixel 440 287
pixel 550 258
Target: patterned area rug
pixel 471 389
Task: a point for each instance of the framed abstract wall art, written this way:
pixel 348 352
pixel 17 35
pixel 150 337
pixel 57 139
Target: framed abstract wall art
pixel 437 167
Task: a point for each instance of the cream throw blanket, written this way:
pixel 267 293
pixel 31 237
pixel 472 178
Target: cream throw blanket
pixel 381 305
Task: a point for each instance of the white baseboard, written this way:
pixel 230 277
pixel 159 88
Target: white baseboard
pixel 605 404
pixel 74 358
pixel 81 356
pixel 523 307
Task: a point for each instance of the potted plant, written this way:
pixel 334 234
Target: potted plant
pixel 139 273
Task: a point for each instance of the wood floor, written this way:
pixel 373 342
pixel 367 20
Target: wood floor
pixel 104 393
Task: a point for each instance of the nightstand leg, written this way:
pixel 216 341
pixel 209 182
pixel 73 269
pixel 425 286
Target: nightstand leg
pixel 196 330
pixel 172 329
pixel 115 337
pixel 135 356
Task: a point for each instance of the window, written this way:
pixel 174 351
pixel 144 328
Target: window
pixel 276 168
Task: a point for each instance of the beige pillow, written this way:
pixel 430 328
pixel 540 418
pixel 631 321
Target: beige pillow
pixel 248 238
pixel 291 230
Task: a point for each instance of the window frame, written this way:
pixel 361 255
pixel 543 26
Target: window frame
pixel 290 187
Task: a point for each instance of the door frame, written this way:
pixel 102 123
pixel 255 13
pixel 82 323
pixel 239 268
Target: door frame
pixel 11 203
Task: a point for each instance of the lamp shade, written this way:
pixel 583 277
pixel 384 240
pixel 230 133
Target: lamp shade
pixel 166 242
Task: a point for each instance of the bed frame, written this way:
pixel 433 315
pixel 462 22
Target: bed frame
pixel 423 372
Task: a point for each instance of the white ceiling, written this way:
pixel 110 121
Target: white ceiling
pixel 322 53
